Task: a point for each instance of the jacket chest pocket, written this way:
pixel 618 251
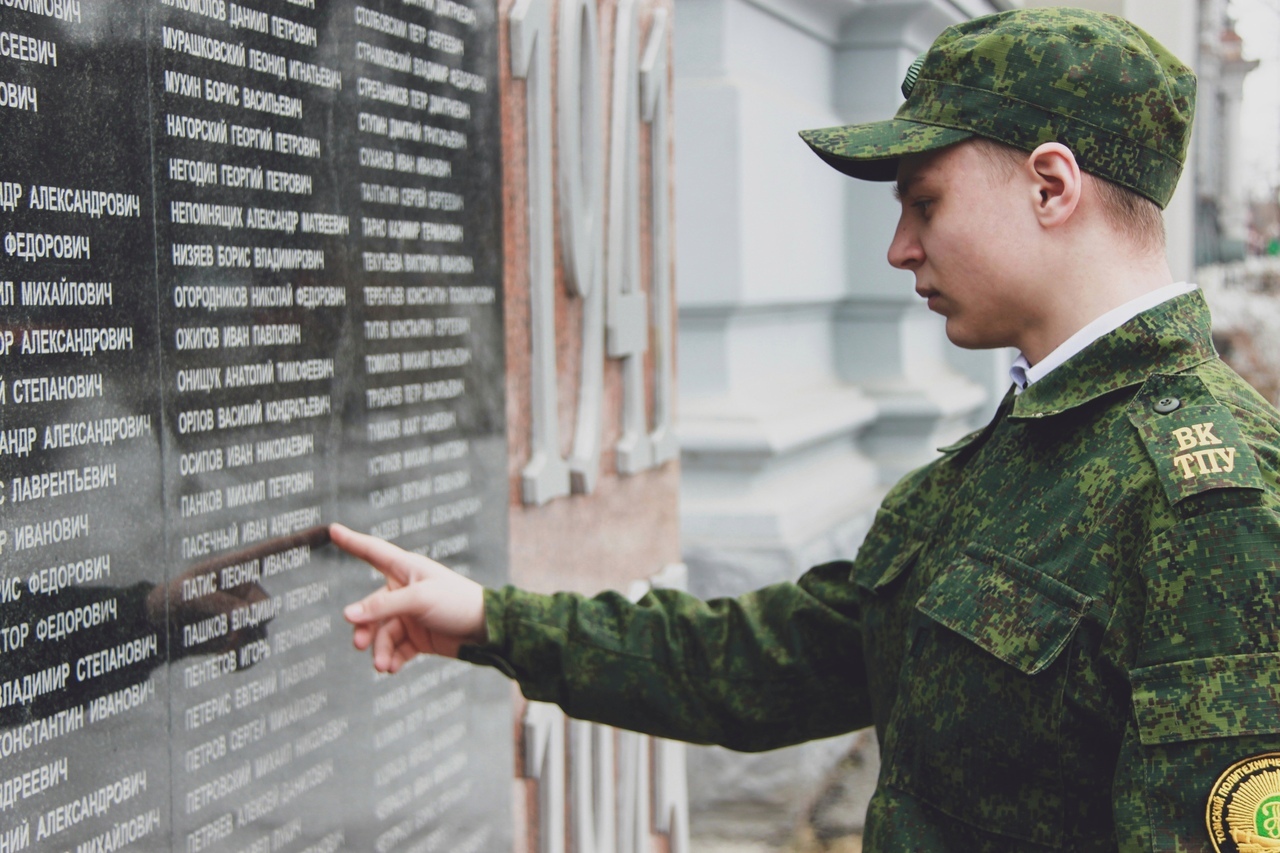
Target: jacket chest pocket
pixel 975 728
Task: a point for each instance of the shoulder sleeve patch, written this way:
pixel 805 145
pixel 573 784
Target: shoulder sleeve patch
pixel 1194 441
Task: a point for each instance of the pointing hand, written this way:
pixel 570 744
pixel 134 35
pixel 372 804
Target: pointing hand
pixel 425 608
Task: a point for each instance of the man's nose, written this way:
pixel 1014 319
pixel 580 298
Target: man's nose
pixel 905 251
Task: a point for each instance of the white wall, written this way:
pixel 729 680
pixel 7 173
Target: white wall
pixel 811 375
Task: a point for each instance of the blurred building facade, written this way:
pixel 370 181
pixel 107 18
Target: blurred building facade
pixel 1221 179
pixel 811 375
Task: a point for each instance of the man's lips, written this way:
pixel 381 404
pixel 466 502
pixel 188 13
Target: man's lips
pixel 933 298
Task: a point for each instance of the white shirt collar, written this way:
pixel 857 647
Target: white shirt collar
pixel 1023 373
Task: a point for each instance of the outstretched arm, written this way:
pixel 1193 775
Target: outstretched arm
pixel 774 667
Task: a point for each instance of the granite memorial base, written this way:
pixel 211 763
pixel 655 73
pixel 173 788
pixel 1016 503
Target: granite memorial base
pixel 250 282
pixel 265 266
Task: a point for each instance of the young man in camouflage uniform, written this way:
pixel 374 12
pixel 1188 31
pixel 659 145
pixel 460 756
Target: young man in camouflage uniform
pixel 1065 629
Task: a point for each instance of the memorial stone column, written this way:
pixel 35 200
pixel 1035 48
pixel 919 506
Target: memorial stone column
pixel 251 284
pixel 329 265
pixel 273 264
pixel 83 692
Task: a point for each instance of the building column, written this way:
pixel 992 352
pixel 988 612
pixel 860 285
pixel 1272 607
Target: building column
pixel 811 376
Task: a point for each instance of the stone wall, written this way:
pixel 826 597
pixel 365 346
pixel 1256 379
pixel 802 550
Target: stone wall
pixel 593 474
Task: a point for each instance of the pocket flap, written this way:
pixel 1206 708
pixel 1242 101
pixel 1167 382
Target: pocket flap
pixel 1023 617
pixel 1207 698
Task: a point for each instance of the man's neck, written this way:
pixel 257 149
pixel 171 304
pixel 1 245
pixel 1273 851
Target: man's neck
pixel 1023 373
pixel 1088 292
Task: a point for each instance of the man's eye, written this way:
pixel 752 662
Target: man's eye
pixel 922 204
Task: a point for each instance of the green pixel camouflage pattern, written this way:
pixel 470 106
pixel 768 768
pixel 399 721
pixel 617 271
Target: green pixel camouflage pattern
pixel 1060 644
pixel 1058 649
pixel 1094 82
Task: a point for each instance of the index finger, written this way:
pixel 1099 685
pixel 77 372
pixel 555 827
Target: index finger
pixel 382 555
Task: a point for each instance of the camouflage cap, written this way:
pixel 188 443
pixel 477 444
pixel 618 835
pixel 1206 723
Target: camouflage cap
pixel 1094 82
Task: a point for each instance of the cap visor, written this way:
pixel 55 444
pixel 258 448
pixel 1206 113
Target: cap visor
pixel 870 151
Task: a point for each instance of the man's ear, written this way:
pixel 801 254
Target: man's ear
pixel 1055 181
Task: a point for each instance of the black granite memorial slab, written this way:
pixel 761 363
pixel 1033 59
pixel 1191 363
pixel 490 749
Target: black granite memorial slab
pixel 250 283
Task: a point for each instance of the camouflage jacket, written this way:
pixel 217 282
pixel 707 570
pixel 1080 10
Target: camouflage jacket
pixel 1064 630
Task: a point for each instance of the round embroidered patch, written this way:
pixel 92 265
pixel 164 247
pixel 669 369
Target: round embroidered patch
pixel 1243 812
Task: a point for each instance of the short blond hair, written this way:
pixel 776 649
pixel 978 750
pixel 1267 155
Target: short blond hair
pixel 1137 217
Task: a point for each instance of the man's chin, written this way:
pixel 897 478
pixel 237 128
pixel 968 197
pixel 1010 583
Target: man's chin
pixel 966 338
